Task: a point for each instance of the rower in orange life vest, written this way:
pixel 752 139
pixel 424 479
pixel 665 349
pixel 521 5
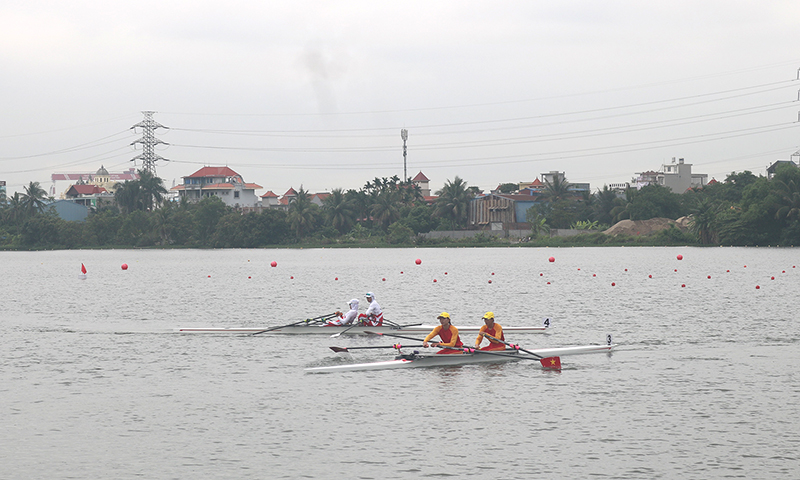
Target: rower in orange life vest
pixel 447 333
pixel 491 328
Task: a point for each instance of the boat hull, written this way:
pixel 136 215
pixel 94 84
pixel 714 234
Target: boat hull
pixel 424 361
pixel 317 330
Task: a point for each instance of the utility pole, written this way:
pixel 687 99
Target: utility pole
pixel 149 142
pixel 404 136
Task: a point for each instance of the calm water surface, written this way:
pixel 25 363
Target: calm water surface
pixel 704 384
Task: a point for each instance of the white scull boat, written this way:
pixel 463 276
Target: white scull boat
pixel 322 330
pixel 420 361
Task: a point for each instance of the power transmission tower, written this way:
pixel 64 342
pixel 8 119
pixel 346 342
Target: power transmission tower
pixel 149 142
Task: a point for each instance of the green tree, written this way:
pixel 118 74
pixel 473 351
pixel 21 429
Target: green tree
pixel 386 208
pixel 339 210
pixel 128 196
pixel 558 189
pixel 453 202
pixel 704 221
pixel 508 188
pixel 302 215
pixel 606 201
pixel 206 216
pixel 151 189
pixel 538 222
pixel 33 199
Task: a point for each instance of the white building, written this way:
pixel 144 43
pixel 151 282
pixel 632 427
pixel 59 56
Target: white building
pixel 220 182
pixel 677 176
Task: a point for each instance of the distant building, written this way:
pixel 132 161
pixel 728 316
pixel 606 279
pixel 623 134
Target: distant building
pixel 319 198
pixel 423 183
pixel 772 168
pixel 269 200
pixel 499 211
pixel 69 211
pixel 677 176
pixel 220 182
pixel 90 196
pixel 101 178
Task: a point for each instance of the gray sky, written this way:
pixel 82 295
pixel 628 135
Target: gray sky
pixel 315 93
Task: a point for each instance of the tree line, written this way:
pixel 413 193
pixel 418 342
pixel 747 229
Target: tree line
pixel 744 209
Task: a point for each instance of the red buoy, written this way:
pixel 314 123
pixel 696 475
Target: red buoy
pixel 490 281
pixel 757 287
pixel 418 261
pixel 680 257
pixel 613 284
pixel 273 264
pixel 551 259
pixel 124 266
pixel 683 285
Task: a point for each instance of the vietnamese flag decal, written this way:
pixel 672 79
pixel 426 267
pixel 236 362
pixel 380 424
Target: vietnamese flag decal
pixel 83 268
pixel 551 362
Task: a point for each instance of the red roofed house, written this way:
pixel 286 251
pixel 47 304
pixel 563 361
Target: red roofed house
pixel 220 182
pixel 270 199
pixel 88 195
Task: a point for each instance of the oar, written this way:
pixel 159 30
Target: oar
pixel 336 335
pixel 549 362
pixel 497 353
pixel 397 336
pixel 308 320
pixel 415 339
pixel 347 349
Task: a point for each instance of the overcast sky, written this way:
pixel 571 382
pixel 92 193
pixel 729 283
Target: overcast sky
pixel 314 93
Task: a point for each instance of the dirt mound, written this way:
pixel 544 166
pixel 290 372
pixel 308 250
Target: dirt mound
pixel 646 227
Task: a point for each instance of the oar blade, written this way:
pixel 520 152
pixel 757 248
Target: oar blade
pixel 551 363
pixel 339 349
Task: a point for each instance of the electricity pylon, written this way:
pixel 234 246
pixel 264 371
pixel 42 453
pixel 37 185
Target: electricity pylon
pixel 149 142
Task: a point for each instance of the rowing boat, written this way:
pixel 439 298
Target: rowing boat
pixel 346 330
pixel 415 360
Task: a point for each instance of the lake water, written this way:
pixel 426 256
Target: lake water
pixel 705 382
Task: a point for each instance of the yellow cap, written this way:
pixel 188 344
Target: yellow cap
pixel 444 315
pixel 489 315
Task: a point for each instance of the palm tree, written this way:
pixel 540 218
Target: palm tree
pixel 556 190
pixel 128 197
pixel 704 221
pixel 788 203
pixel 386 208
pixel 339 210
pixel 15 209
pixel 33 199
pixel 302 215
pixel 606 201
pixel 151 189
pixel 453 201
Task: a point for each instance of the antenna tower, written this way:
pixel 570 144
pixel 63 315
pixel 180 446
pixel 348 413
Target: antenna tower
pixel 149 142
pixel 404 136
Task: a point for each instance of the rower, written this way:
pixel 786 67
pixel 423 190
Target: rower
pixel 373 317
pixel 493 329
pixel 341 319
pixel 447 333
